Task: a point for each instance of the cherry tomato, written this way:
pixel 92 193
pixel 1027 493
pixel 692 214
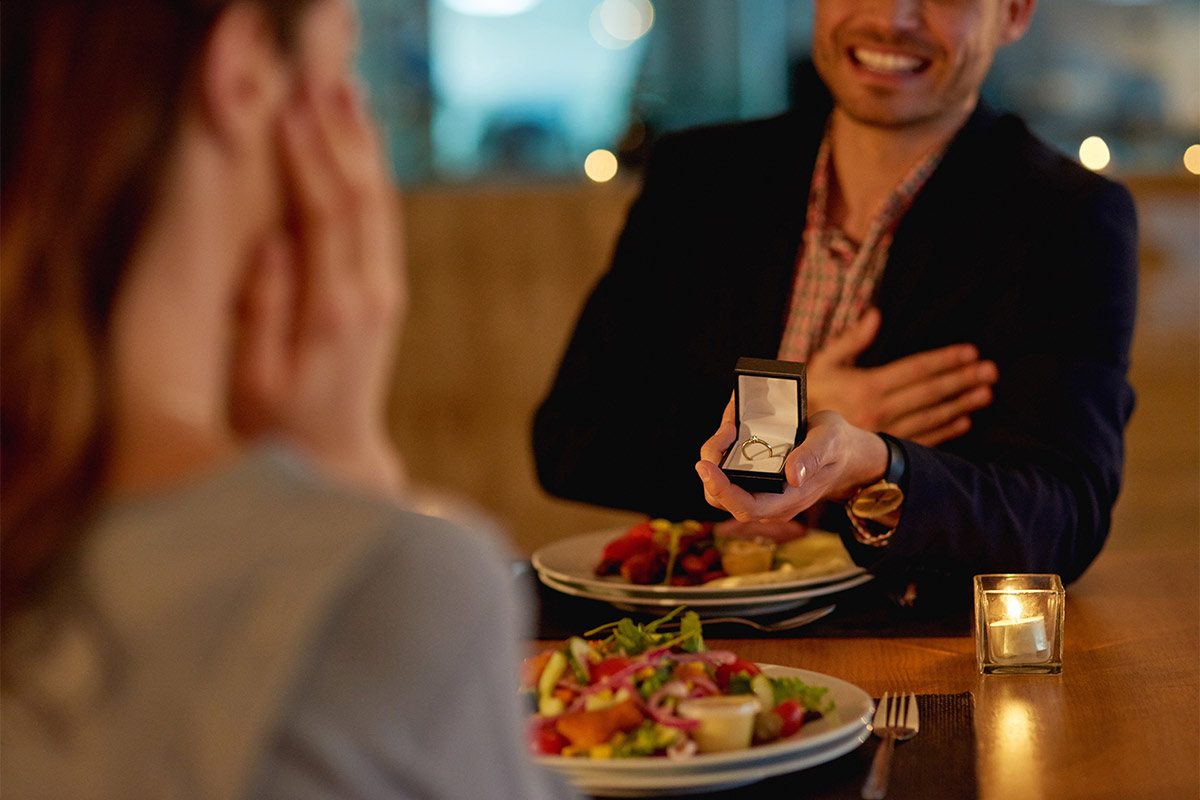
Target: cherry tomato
pixel 544 740
pixel 725 672
pixel 791 713
pixel 609 666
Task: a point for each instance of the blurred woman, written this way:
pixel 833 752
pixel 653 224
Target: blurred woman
pixel 210 586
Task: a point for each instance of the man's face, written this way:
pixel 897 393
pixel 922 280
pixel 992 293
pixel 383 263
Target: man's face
pixel 894 63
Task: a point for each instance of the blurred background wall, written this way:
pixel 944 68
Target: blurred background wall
pixel 517 128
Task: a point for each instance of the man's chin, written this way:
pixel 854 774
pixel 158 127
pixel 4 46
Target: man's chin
pixel 888 120
pixel 898 114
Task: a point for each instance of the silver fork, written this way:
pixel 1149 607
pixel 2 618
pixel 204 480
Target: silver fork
pixel 778 625
pixel 895 720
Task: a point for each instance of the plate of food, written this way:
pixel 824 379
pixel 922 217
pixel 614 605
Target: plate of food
pixel 636 710
pixel 689 561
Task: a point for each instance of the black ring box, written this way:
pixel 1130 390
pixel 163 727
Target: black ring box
pixel 770 402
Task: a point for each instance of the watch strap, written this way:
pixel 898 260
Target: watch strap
pixel 897 465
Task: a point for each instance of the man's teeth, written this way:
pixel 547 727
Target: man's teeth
pixel 886 62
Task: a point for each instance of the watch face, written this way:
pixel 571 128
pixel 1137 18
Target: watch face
pixel 877 502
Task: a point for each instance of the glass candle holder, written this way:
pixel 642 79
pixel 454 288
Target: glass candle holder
pixel 1019 623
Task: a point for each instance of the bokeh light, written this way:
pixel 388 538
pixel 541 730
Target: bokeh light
pixel 1094 154
pixel 1191 159
pixel 600 166
pixel 616 24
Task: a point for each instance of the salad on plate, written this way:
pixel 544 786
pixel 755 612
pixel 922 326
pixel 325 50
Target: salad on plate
pixel 628 690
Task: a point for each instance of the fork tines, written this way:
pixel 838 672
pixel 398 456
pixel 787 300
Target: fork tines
pixel 896 710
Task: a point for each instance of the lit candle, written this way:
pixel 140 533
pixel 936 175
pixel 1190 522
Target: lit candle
pixel 1018 639
pixel 1019 624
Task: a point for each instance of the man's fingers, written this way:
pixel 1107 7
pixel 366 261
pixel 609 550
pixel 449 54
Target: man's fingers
pixel 714 449
pixel 951 430
pixel 743 505
pixel 921 366
pixel 935 401
pixel 956 388
pixel 729 415
pixel 718 491
pixel 947 420
pixel 844 348
pixel 810 455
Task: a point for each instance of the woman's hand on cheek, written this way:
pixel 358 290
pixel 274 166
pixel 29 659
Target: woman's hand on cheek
pixel 322 310
pixel 262 359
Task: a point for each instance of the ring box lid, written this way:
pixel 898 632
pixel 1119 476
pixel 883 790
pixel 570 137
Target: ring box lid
pixel 770 403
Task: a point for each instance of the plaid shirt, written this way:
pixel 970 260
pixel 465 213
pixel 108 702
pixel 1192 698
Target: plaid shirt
pixel 835 277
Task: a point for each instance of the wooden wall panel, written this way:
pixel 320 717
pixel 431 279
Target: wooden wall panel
pixel 497 277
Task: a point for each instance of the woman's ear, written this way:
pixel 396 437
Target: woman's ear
pixel 242 77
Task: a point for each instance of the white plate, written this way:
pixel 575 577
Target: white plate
pixel 816 743
pixel 673 784
pixel 743 605
pixel 752 606
pixel 573 561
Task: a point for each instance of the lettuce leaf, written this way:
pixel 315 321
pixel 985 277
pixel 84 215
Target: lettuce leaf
pixel 810 697
pixel 632 639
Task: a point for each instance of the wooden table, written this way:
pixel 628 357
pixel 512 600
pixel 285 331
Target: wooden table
pixel 1121 721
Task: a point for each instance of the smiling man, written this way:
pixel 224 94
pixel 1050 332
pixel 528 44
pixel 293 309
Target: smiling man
pixel 952 283
pixel 911 63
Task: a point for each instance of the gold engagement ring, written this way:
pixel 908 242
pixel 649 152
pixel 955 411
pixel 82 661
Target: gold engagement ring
pixel 767 450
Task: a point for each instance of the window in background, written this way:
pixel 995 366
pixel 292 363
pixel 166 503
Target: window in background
pixel 1124 72
pixel 532 92
pixel 394 63
pixel 474 90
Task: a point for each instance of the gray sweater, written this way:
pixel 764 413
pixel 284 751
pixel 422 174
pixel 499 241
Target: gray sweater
pixel 264 633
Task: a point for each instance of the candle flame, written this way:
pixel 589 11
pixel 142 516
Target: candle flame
pixel 1012 607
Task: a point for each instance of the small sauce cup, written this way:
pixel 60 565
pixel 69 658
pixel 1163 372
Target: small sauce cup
pixel 726 721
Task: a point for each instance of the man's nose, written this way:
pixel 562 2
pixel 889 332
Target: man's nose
pixel 898 14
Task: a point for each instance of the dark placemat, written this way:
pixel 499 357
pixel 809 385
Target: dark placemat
pixel 867 610
pixel 939 762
